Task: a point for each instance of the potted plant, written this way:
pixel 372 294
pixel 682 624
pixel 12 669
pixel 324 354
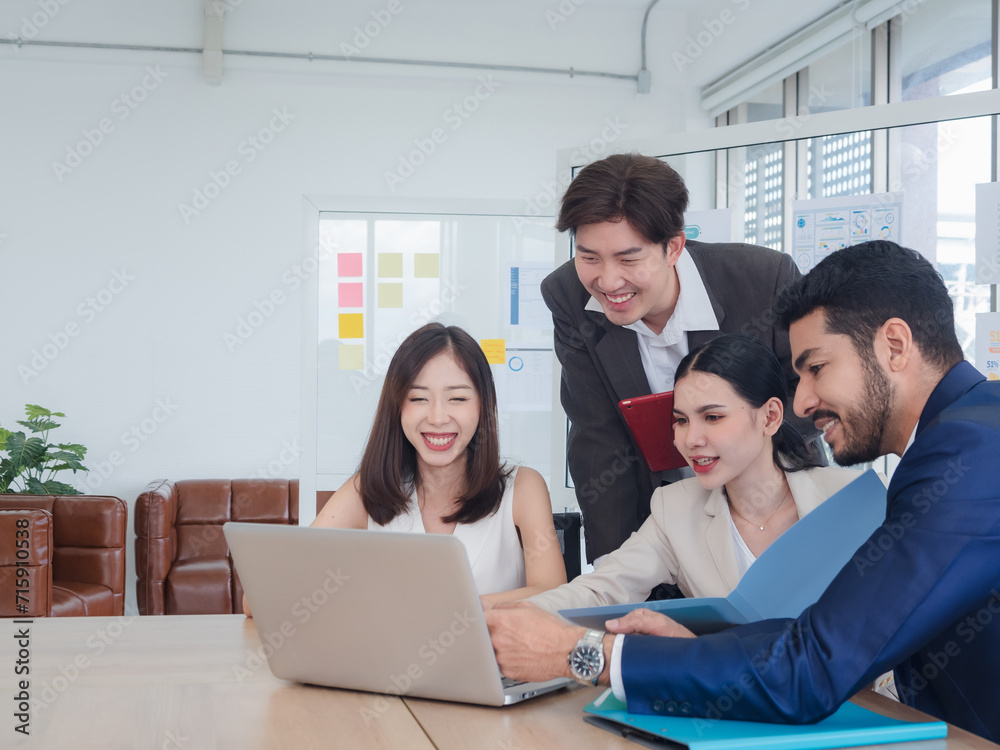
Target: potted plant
pixel 31 463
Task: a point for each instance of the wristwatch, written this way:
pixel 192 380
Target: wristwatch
pixel 586 660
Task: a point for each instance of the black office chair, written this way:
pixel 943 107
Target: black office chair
pixel 568 526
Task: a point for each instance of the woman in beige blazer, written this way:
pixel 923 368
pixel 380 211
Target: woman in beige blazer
pixel 753 479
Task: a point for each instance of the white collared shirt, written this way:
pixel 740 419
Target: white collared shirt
pixel 662 352
pixel 913 436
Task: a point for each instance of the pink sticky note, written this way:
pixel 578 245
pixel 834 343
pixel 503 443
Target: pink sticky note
pixel 348 264
pixel 350 295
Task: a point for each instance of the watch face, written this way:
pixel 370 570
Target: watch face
pixel 587 661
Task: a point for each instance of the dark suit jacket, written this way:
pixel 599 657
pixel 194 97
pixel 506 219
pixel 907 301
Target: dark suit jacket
pixel 922 595
pixel 601 366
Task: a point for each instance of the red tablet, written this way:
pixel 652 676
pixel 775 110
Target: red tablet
pixel 651 420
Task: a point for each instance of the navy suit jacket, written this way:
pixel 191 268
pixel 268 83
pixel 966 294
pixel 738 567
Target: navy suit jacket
pixel 601 366
pixel 922 595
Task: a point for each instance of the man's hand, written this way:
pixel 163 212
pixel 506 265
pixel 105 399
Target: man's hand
pixel 648 622
pixel 531 644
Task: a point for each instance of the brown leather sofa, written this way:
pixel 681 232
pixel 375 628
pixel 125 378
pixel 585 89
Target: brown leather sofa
pixel 182 561
pixel 74 557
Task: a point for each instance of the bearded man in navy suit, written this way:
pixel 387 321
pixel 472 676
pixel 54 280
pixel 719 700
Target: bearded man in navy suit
pixel 881 371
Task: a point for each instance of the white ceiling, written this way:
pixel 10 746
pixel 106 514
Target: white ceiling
pixel 318 25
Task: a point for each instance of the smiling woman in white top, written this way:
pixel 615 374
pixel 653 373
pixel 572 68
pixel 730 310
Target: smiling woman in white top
pixel 432 465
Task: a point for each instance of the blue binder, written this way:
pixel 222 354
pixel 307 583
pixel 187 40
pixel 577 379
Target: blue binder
pixel 849 726
pixel 788 577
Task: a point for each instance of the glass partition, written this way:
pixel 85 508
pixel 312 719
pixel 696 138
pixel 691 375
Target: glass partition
pixel 383 275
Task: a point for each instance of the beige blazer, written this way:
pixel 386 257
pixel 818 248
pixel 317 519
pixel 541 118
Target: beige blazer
pixel 686 540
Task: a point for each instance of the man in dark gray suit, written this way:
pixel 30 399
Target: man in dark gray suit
pixel 627 308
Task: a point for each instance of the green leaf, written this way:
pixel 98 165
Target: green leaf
pixel 7 474
pixel 70 461
pixel 25 453
pixel 76 448
pixel 33 487
pixel 34 411
pixel 53 487
pixel 37 425
pixel 30 459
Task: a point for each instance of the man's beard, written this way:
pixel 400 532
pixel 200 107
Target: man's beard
pixel 863 426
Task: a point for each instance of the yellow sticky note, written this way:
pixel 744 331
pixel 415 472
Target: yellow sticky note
pixel 390 295
pixel 495 349
pixel 352 325
pixel 426 265
pixel 390 265
pixel 351 357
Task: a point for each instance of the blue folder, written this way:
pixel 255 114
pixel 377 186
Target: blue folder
pixel 849 726
pixel 788 577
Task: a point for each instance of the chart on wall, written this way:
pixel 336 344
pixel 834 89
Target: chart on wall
pixel 383 275
pixel 988 344
pixel 823 226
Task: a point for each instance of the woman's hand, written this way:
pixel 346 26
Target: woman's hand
pixel 648 622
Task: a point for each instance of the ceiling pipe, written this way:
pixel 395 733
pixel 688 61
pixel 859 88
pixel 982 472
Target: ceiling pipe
pixel 211 54
pixel 645 79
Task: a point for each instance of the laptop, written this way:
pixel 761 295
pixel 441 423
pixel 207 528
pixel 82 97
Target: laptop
pixel 379 611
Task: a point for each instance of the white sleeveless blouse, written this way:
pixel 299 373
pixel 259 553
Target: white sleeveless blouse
pixel 491 543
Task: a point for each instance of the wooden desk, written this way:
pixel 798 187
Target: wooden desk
pixel 185 683
pixel 179 683
pixel 554 721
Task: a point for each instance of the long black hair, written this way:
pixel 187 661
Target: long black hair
pixel 389 464
pixel 755 373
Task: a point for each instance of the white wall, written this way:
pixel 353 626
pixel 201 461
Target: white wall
pixel 161 341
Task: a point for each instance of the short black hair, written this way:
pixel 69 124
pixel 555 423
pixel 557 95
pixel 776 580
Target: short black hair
pixel 755 374
pixel 643 190
pixel 860 287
